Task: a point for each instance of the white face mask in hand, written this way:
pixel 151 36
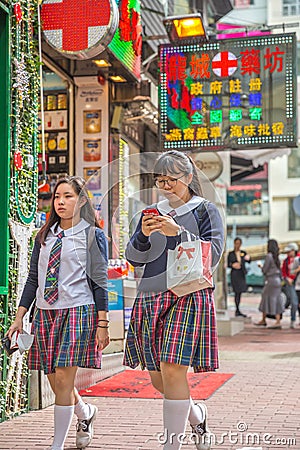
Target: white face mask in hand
pixel 22 340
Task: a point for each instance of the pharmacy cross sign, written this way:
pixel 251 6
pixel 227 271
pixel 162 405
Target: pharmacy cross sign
pixel 79 28
pixel 224 64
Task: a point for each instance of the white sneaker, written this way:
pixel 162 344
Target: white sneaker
pixel 292 324
pixel 201 430
pixel 85 429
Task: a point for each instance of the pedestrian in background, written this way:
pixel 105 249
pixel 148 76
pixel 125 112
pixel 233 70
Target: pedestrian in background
pixel 289 275
pixel 236 260
pixel 68 278
pixel 296 271
pixel 271 302
pixel 167 334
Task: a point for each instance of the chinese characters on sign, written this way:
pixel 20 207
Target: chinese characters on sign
pixel 127 41
pixel 236 93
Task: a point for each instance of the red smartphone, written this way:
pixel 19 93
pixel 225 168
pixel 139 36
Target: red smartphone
pixel 152 211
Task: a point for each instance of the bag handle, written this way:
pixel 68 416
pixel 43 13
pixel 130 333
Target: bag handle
pixel 187 234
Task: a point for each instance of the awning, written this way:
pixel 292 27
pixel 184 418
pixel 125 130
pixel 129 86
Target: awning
pixel 247 162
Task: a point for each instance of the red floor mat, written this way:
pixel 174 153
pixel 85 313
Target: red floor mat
pixel 136 384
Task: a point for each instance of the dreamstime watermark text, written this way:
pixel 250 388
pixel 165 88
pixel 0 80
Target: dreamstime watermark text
pixel 241 436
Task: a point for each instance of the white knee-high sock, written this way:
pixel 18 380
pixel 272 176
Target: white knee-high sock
pixel 196 415
pixel 82 409
pixel 175 414
pixel 62 420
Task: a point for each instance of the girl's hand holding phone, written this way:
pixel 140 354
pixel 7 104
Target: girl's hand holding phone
pixel 152 221
pixel 168 226
pixel 149 221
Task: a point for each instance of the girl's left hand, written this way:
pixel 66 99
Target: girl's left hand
pixel 168 226
pixel 102 338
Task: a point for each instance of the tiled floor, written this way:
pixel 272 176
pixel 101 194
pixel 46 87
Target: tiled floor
pixel 257 408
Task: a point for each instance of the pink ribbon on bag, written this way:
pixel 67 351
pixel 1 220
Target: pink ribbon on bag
pixel 188 251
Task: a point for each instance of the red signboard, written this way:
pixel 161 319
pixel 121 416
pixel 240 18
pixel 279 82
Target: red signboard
pixel 80 29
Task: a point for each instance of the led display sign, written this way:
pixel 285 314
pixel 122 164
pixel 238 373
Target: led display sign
pixel 127 41
pixel 235 93
pixel 79 29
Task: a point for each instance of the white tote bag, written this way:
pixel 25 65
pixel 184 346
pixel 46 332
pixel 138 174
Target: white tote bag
pixel 189 267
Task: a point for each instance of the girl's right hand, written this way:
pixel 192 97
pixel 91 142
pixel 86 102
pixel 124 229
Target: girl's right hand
pixel 150 224
pixel 17 325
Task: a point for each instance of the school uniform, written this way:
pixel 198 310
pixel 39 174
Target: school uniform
pixel 164 327
pixel 65 331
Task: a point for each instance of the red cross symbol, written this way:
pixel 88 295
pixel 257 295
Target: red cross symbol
pixel 73 21
pixel 224 64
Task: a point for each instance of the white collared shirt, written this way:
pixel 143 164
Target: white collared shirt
pixel 73 288
pixel 164 206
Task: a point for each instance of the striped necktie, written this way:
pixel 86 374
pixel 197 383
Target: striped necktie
pixel 172 213
pixel 51 285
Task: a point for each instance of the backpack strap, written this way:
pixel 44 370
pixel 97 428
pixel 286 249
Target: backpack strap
pixel 90 236
pixel 201 209
pixel 90 233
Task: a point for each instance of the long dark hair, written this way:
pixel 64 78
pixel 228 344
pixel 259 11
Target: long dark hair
pixel 274 250
pixel 175 162
pixel 86 211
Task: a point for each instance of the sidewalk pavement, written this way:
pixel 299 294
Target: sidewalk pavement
pixel 257 408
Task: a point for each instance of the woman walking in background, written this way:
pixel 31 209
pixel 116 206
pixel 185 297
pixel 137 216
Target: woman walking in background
pixel 271 303
pixel 236 261
pixel 68 278
pixel 167 334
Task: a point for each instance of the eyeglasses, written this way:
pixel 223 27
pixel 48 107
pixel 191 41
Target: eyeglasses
pixel 171 182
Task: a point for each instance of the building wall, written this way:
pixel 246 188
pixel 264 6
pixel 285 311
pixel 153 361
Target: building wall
pixel 275 16
pixel 280 193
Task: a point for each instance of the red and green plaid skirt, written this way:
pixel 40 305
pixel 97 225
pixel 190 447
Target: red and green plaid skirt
pixel 178 330
pixel 64 338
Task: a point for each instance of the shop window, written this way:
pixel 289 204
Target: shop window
pixel 294 219
pixel 291 7
pixel 56 139
pixel 56 124
pixel 294 163
pixel 244 200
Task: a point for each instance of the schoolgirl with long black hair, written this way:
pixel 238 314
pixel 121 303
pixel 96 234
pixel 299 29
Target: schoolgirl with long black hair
pixel 68 279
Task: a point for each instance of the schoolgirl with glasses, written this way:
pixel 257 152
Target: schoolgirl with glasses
pixel 68 279
pixel 167 334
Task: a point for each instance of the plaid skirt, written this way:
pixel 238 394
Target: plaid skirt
pixel 178 330
pixel 64 338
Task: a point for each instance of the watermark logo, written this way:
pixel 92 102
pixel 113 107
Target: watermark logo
pixel 242 436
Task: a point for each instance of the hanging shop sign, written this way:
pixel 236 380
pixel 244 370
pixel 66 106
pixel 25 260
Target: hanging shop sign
pixel 209 163
pixel 235 93
pixel 126 44
pixel 79 29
